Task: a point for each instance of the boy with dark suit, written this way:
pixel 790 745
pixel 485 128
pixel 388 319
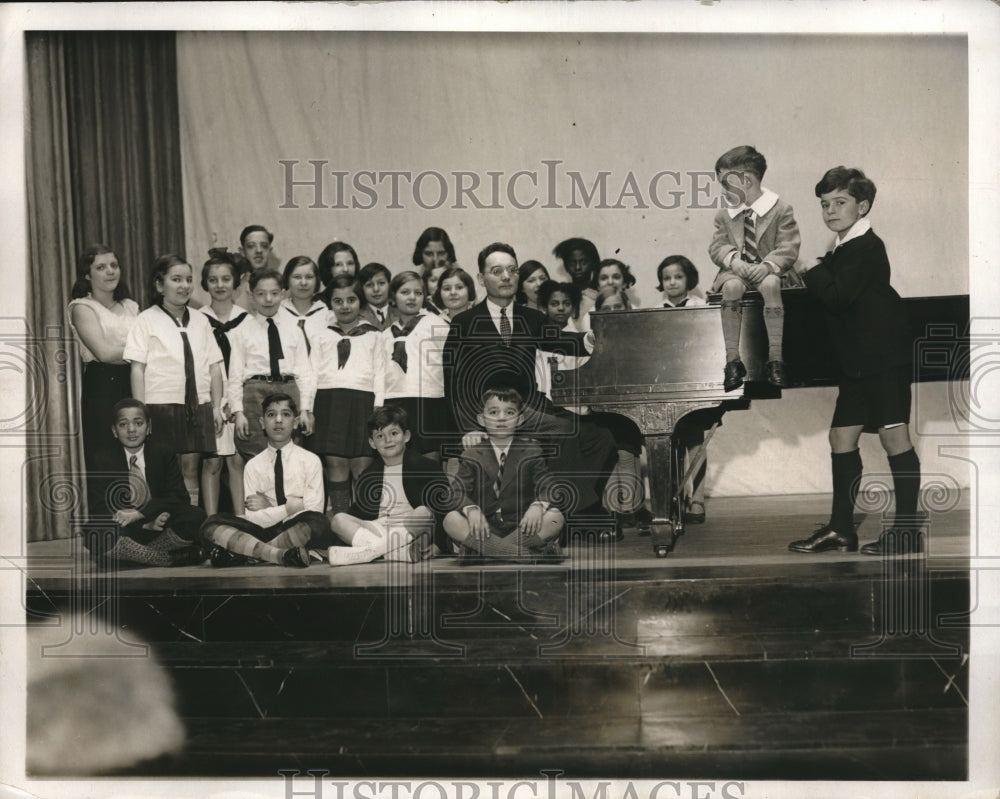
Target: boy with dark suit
pixel 502 486
pixel 139 485
pixel 495 344
pixel 398 498
pixel 867 323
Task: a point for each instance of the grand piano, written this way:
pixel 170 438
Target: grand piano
pixel 657 365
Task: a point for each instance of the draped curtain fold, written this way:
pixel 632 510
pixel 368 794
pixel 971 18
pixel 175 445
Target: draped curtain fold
pixel 103 165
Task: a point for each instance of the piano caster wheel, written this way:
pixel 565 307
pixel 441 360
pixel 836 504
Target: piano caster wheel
pixel 661 551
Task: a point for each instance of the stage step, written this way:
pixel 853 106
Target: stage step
pixel 640 672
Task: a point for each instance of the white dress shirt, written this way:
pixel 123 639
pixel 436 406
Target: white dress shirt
pixel 302 474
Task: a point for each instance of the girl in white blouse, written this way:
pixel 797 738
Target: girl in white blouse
pixel 101 314
pixel 177 368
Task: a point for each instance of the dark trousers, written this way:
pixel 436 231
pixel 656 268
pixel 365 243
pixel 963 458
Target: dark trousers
pixel 320 535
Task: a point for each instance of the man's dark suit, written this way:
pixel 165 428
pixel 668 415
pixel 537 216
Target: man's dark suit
pixel 475 359
pixel 108 491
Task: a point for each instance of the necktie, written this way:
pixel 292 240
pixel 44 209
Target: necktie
pixel 497 483
pixel 137 483
pixel 681 304
pixel 279 479
pixel 190 385
pixel 274 348
pixel 220 329
pixel 505 331
pixel 750 254
pixel 302 327
pixel 380 313
pixel 399 345
pixel 344 345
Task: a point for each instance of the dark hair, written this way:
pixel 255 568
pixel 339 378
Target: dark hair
pixel 264 274
pixel 489 249
pixel 461 274
pixel 429 235
pixel 742 159
pixel 689 270
pixel 81 288
pixel 220 256
pixel 348 282
pixel 387 415
pixel 550 287
pixel 129 402
pixel 295 263
pixel 370 270
pixel 564 249
pixel 524 271
pixel 628 279
pixel 853 181
pixel 607 293
pixel 271 399
pixel 159 271
pixel 400 279
pixel 511 395
pixel 427 274
pixel 325 260
pixel 255 229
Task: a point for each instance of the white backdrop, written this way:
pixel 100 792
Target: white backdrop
pixel 619 108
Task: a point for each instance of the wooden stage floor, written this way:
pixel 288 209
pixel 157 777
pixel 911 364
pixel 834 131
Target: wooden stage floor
pixel 731 657
pixel 739 532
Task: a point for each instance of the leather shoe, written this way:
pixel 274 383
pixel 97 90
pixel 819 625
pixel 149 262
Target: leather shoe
pixel 825 539
pixel 222 558
pixel 896 541
pixel 734 373
pixel 296 557
pixel 193 555
pixel 776 374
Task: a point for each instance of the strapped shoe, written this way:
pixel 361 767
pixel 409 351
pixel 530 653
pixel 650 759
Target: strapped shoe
pixel 825 539
pixel 192 555
pixel 734 373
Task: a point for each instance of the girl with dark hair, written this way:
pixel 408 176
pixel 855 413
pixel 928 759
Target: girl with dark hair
pixel 300 280
pixel 337 258
pixel 101 315
pixel 177 368
pixel 530 276
pixel 220 277
pixel 433 248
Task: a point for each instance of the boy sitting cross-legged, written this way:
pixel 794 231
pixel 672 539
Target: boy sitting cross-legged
pixel 396 501
pixel 284 500
pixel 503 487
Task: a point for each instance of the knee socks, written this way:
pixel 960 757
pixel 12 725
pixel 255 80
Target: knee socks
pixel 906 480
pixel 732 319
pixel 774 323
pixel 847 470
pixel 298 535
pixel 245 544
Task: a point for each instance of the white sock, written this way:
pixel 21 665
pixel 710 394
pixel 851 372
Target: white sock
pixel 347 556
pixel 366 539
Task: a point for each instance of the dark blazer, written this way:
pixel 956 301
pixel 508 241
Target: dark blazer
pixel 423 483
pixel 475 357
pixel 108 488
pixel 865 315
pixel 526 478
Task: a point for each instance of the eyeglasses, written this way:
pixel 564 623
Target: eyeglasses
pixel 500 271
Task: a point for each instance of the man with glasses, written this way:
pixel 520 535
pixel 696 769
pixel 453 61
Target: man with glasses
pixel 494 345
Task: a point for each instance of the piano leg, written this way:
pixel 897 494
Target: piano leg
pixel 660 451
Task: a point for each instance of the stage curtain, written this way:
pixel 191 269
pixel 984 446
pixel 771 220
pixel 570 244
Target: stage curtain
pixel 103 154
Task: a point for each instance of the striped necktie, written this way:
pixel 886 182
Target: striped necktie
pixel 499 481
pixel 750 254
pixel 137 483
